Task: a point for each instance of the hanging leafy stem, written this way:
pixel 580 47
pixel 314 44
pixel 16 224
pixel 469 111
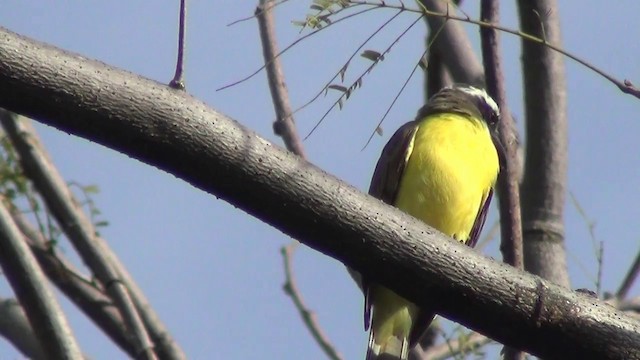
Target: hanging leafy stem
pixel 326 13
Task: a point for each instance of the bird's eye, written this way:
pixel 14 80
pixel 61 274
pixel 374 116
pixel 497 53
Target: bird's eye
pixel 488 113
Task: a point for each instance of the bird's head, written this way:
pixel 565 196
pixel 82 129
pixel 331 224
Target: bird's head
pixel 463 99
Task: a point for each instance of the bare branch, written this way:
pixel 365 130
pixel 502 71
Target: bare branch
pixel 15 327
pixel 631 277
pixel 544 187
pixel 341 73
pixel 308 316
pixel 74 223
pixel 182 135
pixel 509 192
pixel 275 4
pixel 437 76
pixel 452 43
pixel 81 291
pixel 358 82
pixel 598 246
pixel 30 286
pixel 178 79
pixel 508 184
pixel 293 44
pixel 442 9
pixel 395 98
pixel 284 126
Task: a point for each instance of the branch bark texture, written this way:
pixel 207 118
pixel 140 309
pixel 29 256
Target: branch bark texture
pixel 76 225
pixel 86 296
pixel 545 175
pixel 15 327
pixel 284 126
pixel 453 45
pixel 508 186
pixel 30 286
pixel 179 134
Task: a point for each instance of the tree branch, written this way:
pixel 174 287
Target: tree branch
pixel 453 45
pixel 508 185
pixel 284 126
pixel 629 279
pixel 15 327
pixel 178 78
pixel 30 286
pixel 508 182
pixel 307 315
pixel 544 187
pixel 179 134
pixel 85 295
pixel 76 226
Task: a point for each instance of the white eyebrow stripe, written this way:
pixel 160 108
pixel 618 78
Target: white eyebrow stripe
pixel 483 95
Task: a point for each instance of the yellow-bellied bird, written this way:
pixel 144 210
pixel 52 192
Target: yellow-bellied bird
pixel 440 168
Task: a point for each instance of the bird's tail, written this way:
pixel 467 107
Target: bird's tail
pixel 393 348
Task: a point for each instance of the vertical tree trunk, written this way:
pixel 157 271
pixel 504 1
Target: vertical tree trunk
pixel 544 187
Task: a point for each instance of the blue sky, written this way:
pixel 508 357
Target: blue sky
pixel 214 273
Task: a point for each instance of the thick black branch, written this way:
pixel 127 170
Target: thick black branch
pixel 179 134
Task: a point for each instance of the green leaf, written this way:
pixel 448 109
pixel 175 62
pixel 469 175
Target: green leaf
pixel 102 223
pixel 343 71
pixel 372 55
pixel 91 189
pixel 337 87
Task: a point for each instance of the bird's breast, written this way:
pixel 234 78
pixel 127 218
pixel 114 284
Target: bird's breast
pixel 451 167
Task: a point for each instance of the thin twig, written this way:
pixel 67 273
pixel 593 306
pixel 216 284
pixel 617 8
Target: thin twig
pixel 631 277
pixel 30 286
pixel 357 83
pixel 598 247
pixel 288 47
pixel 404 85
pixel 275 3
pixel 178 79
pixel 509 189
pixel 626 86
pixel 284 126
pixel 309 318
pixel 75 224
pixel 343 69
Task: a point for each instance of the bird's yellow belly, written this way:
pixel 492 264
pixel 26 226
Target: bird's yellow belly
pixel 452 166
pixel 449 174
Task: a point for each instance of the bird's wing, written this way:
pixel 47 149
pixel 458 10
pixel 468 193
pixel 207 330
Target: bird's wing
pixel 386 178
pixel 385 183
pixel 480 218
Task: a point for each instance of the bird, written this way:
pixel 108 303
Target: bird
pixel 440 168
